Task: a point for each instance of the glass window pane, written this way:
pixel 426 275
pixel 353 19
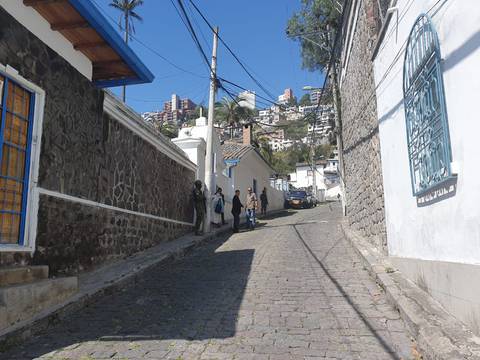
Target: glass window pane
pixel 16 130
pixel 13 162
pixel 9 228
pixel 11 195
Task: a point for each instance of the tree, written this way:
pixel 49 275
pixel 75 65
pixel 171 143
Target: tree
pixel 305 100
pixel 128 9
pixel 324 151
pixel 292 101
pixel 265 149
pixel 231 114
pixel 313 26
pixel 169 130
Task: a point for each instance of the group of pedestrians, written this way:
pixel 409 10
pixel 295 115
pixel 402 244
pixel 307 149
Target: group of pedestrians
pixel 251 207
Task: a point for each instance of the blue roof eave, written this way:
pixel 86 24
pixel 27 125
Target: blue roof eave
pixel 98 22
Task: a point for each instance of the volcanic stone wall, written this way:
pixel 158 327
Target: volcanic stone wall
pixel 363 171
pixel 89 155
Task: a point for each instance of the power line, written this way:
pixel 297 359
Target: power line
pixel 147 46
pixel 397 57
pixel 188 24
pixel 231 52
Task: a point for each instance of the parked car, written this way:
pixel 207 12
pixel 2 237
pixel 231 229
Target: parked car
pixel 299 199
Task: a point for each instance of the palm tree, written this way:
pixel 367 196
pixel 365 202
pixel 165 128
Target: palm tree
pixel 228 113
pixel 232 114
pixel 127 7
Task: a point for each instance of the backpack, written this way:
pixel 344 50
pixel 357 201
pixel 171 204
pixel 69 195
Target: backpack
pixel 218 206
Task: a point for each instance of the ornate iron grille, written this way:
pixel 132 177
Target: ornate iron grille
pixel 425 109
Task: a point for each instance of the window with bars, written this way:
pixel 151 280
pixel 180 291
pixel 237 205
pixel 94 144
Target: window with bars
pixel 16 112
pixel 428 138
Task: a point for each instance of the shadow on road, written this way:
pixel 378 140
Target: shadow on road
pixel 346 296
pixel 195 298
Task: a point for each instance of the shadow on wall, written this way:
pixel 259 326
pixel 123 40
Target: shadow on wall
pixel 462 52
pixel 195 298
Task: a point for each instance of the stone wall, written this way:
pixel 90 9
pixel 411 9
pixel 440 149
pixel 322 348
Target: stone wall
pixel 87 154
pixel 73 237
pixel 363 171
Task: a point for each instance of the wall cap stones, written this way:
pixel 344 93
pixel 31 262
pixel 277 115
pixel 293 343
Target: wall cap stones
pixel 87 202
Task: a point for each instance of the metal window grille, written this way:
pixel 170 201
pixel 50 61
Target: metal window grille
pixel 16 115
pixel 425 109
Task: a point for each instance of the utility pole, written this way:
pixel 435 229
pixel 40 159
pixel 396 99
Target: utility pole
pixel 209 159
pixel 314 166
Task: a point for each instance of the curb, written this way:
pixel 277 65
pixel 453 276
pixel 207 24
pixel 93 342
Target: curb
pixel 21 331
pixel 438 335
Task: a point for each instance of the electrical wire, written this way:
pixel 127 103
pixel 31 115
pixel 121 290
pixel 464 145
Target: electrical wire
pixel 398 56
pixel 155 52
pixel 232 52
pixel 182 13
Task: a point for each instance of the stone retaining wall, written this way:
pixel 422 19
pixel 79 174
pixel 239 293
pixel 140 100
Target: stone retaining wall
pixel 363 172
pixel 89 155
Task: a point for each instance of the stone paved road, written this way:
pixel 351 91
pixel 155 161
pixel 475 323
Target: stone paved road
pixel 291 289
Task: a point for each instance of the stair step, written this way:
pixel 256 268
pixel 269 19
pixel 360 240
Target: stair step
pixel 21 302
pixel 22 275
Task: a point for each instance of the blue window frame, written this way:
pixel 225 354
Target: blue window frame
pixel 428 137
pixel 16 109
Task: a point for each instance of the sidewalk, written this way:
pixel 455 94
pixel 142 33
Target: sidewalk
pixel 104 280
pixel 438 334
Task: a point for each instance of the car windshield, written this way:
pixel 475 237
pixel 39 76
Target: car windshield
pixel 298 194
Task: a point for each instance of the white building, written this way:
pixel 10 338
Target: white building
pixel 237 165
pixel 326 179
pixel 429 135
pixel 247 99
pixel 192 140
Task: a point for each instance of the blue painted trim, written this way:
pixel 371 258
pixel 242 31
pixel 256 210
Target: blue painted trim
pixel 26 176
pixel 113 83
pixel 98 22
pixel 232 162
pixel 12 212
pixel 4 115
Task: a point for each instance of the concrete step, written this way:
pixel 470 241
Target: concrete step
pixel 22 275
pixel 21 302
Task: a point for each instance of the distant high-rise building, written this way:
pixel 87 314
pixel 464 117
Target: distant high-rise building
pixel 286 96
pixel 174 111
pixel 315 96
pixel 247 99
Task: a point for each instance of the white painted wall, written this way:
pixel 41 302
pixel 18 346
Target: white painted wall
pixel 448 230
pixel 251 167
pixel 302 179
pixel 436 246
pixel 40 27
pixel 195 149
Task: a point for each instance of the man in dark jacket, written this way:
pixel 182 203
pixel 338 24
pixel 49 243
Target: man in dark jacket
pixel 199 201
pixel 236 210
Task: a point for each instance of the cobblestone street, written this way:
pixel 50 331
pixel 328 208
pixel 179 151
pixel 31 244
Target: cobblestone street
pixel 292 289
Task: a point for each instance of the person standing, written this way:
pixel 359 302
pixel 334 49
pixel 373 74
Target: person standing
pixel 236 210
pixel 200 204
pixel 218 208
pixel 223 208
pixel 264 202
pixel 251 205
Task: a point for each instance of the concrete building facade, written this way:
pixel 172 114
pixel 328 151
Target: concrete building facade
pixel 431 182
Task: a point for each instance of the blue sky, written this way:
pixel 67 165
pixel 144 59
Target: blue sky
pixel 254 29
